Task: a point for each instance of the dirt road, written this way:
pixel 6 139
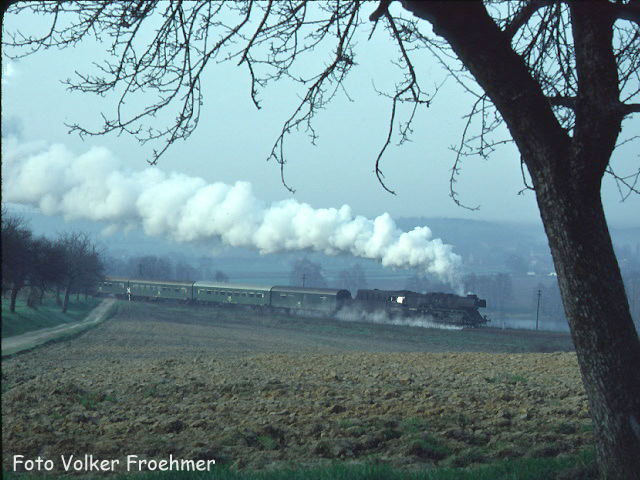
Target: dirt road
pixel 26 341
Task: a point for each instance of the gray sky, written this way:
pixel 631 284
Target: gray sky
pixel 234 139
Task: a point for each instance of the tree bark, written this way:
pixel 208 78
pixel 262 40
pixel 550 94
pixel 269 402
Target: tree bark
pixel 567 174
pixel 32 298
pixel 65 303
pixel 607 344
pixel 14 295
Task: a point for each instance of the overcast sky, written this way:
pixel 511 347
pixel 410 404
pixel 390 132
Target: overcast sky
pixel 234 139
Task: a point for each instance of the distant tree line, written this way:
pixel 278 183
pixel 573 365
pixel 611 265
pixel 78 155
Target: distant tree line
pixel 306 273
pixel 501 295
pixel 550 300
pixel 164 267
pixel 352 279
pixel 496 289
pixel 70 263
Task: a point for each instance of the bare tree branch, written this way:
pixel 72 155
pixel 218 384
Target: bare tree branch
pixel 523 16
pixel 381 10
pixel 187 36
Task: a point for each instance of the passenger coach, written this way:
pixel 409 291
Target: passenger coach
pixel 226 293
pixel 320 300
pixel 291 299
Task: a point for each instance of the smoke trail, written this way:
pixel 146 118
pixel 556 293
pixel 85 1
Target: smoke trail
pixel 354 314
pixel 96 186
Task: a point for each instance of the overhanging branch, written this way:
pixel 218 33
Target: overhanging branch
pixel 523 16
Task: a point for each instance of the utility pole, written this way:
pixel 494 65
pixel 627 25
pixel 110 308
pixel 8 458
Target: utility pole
pixel 538 308
pixel 304 278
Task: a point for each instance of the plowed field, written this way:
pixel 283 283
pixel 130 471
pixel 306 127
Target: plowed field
pixel 259 392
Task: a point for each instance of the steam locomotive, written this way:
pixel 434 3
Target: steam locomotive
pixel 442 308
pixel 445 308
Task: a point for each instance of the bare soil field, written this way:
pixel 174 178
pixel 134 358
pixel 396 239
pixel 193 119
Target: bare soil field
pixel 258 391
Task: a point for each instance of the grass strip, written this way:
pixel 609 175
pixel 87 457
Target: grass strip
pixel 562 467
pixel 48 314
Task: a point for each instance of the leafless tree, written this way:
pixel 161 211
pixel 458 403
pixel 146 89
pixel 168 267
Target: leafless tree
pixel 83 266
pixel 352 279
pixel 561 75
pixel 48 263
pixel 185 272
pixel 221 277
pixel 151 267
pixel 306 273
pixel 16 255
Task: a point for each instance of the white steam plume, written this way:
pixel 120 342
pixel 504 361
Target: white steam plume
pixel 96 186
pixel 354 314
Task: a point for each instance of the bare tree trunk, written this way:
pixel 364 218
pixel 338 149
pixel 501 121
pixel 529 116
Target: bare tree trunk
pixel 32 299
pixel 596 306
pixel 14 295
pixel 65 303
pixel 567 173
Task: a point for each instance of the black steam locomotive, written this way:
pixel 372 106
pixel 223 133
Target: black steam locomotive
pixel 445 308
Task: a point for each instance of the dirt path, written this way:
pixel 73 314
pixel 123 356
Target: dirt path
pixel 26 341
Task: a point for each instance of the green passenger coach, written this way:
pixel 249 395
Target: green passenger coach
pixel 161 290
pixel 225 293
pixel 320 300
pixel 116 286
pixel 146 289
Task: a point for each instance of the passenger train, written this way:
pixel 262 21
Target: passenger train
pixel 445 308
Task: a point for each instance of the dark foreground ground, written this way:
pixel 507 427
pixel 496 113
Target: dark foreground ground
pixel 267 392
